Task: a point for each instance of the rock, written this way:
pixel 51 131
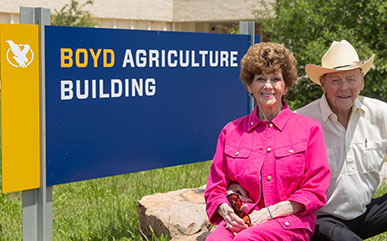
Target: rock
pixel 180 213
pixel 383 173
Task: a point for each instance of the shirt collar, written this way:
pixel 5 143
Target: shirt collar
pixel 327 111
pixel 279 121
pixel 358 105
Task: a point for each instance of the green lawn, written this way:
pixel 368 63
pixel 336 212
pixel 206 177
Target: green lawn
pixel 382 237
pixel 105 209
pixel 102 209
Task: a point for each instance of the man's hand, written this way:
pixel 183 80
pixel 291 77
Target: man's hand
pixel 243 194
pixel 234 223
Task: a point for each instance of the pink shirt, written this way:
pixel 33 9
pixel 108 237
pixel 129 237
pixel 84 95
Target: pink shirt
pixel 284 159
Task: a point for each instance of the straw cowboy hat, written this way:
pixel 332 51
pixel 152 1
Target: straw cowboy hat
pixel 339 57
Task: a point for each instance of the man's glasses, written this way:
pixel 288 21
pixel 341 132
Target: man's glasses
pixel 236 204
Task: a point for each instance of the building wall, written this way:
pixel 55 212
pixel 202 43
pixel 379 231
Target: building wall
pixel 164 15
pixel 213 10
pixel 160 10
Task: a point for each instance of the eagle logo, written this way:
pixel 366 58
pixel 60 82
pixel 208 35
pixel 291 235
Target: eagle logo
pixel 20 52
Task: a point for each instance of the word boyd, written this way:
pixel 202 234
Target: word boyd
pixel 81 57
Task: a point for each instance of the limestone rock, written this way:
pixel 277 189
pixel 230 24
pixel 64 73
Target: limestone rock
pixel 383 173
pixel 180 213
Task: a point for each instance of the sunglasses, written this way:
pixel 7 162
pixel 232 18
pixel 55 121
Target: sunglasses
pixel 236 204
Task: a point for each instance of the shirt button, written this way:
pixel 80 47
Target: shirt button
pixel 268 149
pixel 291 151
pixel 269 178
pixel 287 224
pixel 237 153
pixel 252 123
pixel 270 125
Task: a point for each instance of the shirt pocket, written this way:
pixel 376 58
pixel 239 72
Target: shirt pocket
pixel 237 152
pixel 290 160
pixel 373 155
pixel 237 160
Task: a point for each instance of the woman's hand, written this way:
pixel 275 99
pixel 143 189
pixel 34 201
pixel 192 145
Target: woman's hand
pixel 259 216
pixel 281 209
pixel 243 194
pixel 234 223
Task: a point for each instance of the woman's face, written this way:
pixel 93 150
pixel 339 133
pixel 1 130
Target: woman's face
pixel 268 89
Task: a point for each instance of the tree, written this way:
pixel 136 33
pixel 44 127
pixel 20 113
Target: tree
pixel 308 27
pixel 73 15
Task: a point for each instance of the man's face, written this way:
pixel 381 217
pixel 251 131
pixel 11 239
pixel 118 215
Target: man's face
pixel 342 89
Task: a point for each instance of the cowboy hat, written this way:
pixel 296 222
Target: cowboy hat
pixel 340 56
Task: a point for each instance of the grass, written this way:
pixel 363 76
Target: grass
pixel 379 192
pixel 105 209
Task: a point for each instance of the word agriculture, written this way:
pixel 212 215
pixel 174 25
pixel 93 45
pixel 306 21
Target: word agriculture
pixel 181 58
pixel 143 58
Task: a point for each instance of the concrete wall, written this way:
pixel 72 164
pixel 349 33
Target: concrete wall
pixel 159 10
pixel 213 10
pixel 166 15
pixel 153 10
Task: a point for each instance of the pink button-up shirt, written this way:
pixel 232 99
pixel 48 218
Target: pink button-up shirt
pixel 284 159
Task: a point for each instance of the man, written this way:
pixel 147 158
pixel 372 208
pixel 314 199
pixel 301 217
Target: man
pixel 355 131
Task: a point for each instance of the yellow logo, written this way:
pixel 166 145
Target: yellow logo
pixel 21 56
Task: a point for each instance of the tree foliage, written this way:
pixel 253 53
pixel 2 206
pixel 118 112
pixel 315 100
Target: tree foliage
pixel 308 27
pixel 73 15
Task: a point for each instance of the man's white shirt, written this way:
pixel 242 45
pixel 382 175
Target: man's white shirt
pixel 355 154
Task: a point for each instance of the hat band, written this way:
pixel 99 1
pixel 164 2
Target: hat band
pixel 356 63
pixel 342 66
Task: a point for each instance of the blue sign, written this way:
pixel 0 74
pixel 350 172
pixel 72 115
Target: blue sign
pixel 121 101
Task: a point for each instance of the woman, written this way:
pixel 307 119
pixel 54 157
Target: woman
pixel 276 156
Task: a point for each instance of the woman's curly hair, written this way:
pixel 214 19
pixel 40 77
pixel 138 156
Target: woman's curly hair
pixel 268 57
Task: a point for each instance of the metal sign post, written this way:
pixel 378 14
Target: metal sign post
pixel 248 27
pixel 37 203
